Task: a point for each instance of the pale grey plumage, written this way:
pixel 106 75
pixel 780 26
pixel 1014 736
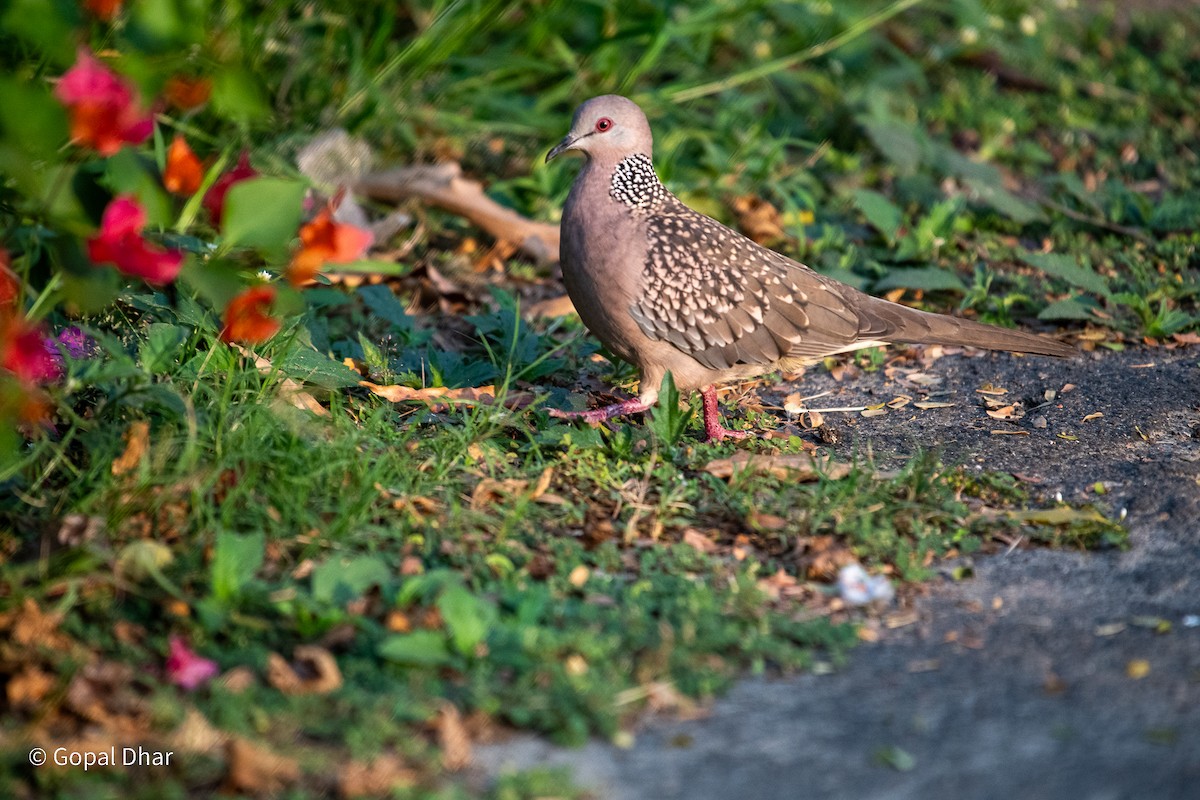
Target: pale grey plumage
pixel 670 289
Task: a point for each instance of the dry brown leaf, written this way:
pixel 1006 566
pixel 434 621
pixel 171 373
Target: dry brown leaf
pixel 794 403
pixel 988 388
pixel 758 219
pixel 928 404
pixel 313 671
pixel 238 679
pixel 697 540
pixel 137 441
pixel 1091 417
pixel 29 626
pixel 811 420
pixel 196 735
pixel 26 689
pixel 551 308
pixel 1011 411
pixel 379 777
pixel 1010 433
pixel 874 411
pixel 453 738
pixel 289 390
pixel 440 398
pixel 256 770
pixel 801 467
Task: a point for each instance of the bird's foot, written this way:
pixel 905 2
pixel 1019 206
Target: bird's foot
pixel 714 431
pixel 633 406
pixel 718 432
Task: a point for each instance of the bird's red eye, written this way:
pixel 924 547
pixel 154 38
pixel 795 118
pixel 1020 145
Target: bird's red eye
pixel 603 124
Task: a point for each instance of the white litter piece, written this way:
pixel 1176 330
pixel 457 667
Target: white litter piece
pixel 858 588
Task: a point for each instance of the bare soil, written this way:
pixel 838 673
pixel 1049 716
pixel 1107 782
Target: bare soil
pixel 1019 682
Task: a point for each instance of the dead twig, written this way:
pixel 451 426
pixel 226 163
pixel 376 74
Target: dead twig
pixel 444 186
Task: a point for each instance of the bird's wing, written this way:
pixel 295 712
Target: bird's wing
pixel 725 300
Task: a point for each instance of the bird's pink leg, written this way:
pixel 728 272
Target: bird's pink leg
pixel 633 406
pixel 714 431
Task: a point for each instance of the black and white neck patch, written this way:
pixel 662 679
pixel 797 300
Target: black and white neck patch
pixel 635 184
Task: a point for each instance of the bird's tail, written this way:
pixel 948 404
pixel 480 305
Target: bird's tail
pixel 893 322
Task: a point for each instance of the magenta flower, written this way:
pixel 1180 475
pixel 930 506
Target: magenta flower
pixel 120 242
pixel 185 668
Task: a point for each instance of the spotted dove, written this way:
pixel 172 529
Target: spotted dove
pixel 669 289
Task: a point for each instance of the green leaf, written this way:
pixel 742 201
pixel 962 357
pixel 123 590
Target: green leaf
pixel 419 648
pixel 929 279
pixel 465 616
pixel 238 96
pixel 1004 201
pixel 130 172
pixel 1065 268
pixel 881 212
pixel 160 349
pixel 382 302
pixel 236 559
pixel 48 25
pixel 1071 308
pixel 895 141
pixel 263 212
pixel 31 118
pixel 339 580
pixel 308 365
pixel 667 420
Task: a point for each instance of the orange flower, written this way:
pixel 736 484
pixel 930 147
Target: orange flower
pixel 247 317
pixel 184 172
pixel 104 9
pixel 187 93
pixel 324 241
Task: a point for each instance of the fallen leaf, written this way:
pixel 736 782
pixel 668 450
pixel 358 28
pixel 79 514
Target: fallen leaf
pixel 988 388
pixel 802 467
pixel 551 308
pixel 313 670
pixel 1096 415
pixel 874 411
pixel 1006 412
pixel 253 769
pixel 26 688
pixel 1010 433
pixel 579 576
pixel 694 538
pixel 927 404
pixel 289 390
pixel 440 398
pixel 453 738
pixel 793 403
pixel 1137 669
pixel 137 441
pixel 380 777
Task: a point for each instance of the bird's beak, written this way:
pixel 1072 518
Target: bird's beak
pixel 566 144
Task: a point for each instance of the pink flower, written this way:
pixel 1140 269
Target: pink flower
pixel 105 110
pixel 214 199
pixel 120 242
pixel 185 668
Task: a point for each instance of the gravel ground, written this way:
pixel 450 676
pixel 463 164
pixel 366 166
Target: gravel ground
pixel 1014 683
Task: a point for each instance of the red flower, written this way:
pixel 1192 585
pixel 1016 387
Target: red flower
pixel 187 93
pixel 104 9
pixel 324 241
pixel 105 110
pixel 184 173
pixel 120 242
pixel 187 669
pixel 247 317
pixel 10 285
pixel 23 352
pixel 214 200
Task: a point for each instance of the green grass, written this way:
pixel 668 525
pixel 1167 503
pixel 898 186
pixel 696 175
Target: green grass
pixel 532 573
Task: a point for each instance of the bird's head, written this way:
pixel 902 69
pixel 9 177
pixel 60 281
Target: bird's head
pixel 609 127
